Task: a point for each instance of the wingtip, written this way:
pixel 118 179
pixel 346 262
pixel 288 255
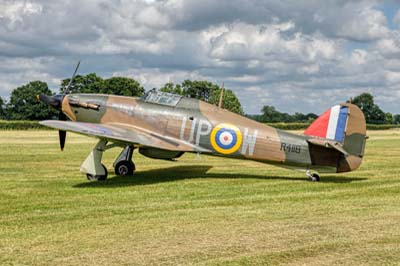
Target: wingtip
pixel 44 122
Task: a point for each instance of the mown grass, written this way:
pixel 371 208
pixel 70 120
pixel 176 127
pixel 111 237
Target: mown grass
pixel 197 211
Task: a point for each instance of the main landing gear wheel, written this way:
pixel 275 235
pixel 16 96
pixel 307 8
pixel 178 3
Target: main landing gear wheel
pixel 124 168
pixel 123 165
pixel 91 177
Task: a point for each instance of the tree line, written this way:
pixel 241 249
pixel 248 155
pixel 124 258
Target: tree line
pixel 23 105
pixel 205 91
pixel 372 112
pixel 270 115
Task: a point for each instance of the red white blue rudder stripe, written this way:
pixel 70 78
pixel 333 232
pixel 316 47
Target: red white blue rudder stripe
pixel 331 124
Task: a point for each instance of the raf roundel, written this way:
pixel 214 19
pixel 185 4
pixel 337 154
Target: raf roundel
pixel 226 138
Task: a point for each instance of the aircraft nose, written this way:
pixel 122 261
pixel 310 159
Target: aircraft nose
pixel 54 101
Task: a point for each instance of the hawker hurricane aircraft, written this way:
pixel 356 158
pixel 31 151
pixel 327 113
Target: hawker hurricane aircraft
pixel 165 126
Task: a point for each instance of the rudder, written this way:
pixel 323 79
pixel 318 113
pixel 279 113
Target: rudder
pixel 331 124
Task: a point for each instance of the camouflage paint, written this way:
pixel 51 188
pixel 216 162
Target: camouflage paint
pixel 193 126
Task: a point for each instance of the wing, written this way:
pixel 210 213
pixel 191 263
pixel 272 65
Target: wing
pixel 124 134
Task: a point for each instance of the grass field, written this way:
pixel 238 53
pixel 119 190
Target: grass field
pixel 197 211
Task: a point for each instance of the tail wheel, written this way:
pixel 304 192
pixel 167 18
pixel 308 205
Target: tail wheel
pixel 314 178
pixel 91 177
pixel 124 168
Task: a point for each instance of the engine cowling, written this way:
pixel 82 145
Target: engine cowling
pixel 155 153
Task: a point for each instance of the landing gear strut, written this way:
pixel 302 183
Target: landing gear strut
pixel 313 177
pixel 96 171
pixel 92 166
pixel 124 165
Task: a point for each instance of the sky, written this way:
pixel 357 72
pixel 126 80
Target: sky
pixel 296 55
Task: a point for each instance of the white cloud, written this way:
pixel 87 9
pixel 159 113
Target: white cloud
pixel 155 78
pixel 242 41
pixel 295 55
pixel 151 17
pixel 12 13
pixel 367 24
pixel 389 46
pixel 392 77
pixel 359 56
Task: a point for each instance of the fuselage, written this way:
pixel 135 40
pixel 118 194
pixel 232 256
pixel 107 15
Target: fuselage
pixel 206 127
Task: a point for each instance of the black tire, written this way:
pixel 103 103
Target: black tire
pixel 91 177
pixel 314 178
pixel 124 168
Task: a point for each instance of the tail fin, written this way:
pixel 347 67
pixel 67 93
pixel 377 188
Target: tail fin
pixel 345 125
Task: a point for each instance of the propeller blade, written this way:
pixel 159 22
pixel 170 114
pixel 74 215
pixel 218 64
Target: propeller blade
pixel 72 79
pixel 62 116
pixel 62 135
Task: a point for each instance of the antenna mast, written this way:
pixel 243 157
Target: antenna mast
pixel 221 96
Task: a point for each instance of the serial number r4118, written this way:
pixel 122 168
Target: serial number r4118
pixel 290 148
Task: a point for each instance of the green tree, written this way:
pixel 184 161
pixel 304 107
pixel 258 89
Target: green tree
pixel 310 117
pixel 90 83
pixel 206 91
pixel 229 100
pixel 396 119
pixel 171 88
pixel 2 111
pixel 373 114
pixel 299 117
pixel 270 114
pixel 23 104
pixel 199 89
pixel 388 118
pixel 122 86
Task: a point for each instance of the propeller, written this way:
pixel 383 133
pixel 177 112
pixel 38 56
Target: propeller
pixel 55 101
pixel 67 89
pixel 62 134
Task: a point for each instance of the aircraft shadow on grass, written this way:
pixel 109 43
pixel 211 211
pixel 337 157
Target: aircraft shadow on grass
pixel 177 173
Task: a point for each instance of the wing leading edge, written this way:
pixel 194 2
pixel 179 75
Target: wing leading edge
pixel 123 133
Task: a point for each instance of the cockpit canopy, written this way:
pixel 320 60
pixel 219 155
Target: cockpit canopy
pixel 163 98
